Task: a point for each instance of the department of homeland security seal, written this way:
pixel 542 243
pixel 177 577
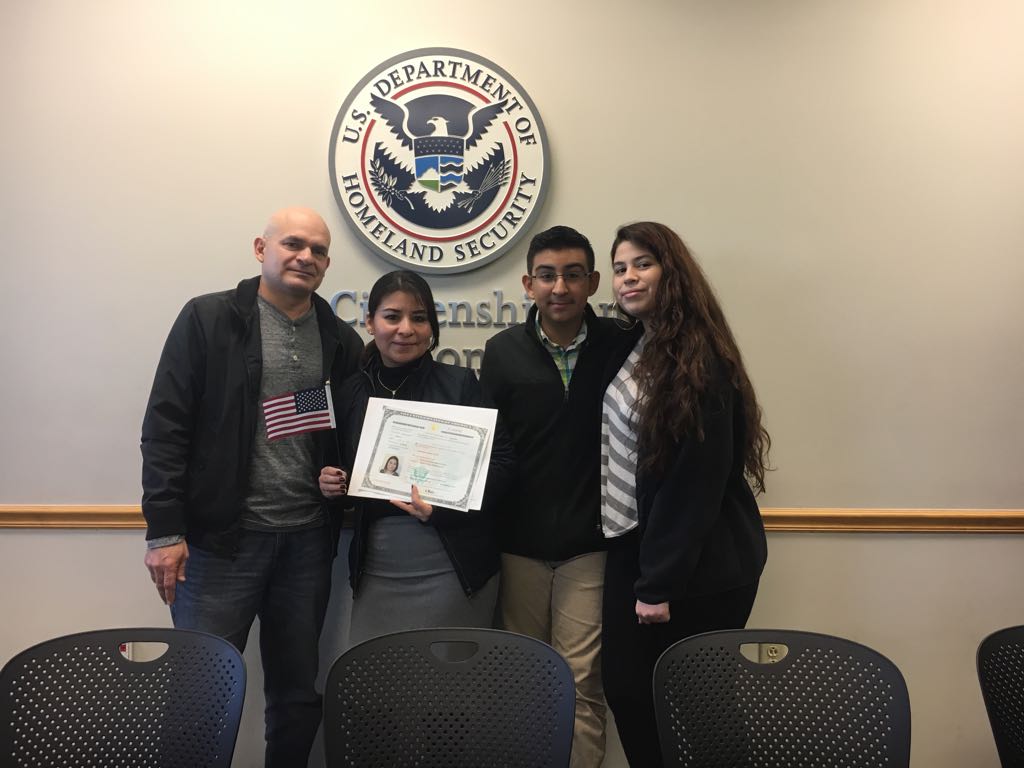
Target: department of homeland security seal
pixel 438 160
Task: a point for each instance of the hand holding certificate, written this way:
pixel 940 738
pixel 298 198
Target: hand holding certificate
pixel 444 450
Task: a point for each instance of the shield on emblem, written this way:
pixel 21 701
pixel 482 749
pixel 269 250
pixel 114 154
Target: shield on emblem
pixel 439 163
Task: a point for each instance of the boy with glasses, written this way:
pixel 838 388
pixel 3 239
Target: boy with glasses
pixel 546 379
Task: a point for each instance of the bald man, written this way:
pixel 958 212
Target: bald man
pixel 236 524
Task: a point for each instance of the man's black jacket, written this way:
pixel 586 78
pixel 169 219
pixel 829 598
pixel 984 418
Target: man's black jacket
pixel 200 422
pixel 553 511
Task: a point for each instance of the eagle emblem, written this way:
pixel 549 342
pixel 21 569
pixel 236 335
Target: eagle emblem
pixel 439 160
pixel 438 163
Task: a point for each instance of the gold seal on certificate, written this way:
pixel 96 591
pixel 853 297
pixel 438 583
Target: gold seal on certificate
pixel 443 450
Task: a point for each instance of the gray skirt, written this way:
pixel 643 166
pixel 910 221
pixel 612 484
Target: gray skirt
pixel 409 583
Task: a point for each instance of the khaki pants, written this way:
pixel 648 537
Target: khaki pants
pixel 560 603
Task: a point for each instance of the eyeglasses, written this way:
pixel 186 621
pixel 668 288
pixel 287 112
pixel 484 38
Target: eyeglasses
pixel 572 277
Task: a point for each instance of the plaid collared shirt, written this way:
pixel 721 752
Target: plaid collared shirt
pixel 564 357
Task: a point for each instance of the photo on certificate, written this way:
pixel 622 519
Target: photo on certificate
pixel 444 450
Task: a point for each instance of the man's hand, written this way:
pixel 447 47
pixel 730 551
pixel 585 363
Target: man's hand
pixel 652 614
pixel 167 567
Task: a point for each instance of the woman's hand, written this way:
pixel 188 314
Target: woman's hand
pixel 333 482
pixel 418 508
pixel 652 614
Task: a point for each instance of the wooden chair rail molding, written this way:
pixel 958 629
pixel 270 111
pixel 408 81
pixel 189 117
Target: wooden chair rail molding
pixel 809 519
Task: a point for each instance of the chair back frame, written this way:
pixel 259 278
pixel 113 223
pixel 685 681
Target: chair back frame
pixel 1000 663
pixel 825 701
pixel 452 697
pixel 77 700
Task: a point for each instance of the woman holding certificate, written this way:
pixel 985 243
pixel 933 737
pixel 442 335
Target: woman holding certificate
pixel 413 564
pixel 681 437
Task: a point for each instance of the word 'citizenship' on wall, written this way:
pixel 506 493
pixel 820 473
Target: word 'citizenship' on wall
pixel 493 312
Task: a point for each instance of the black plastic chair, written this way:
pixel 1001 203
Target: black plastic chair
pixel 449 698
pixel 1001 674
pixel 809 700
pixel 78 701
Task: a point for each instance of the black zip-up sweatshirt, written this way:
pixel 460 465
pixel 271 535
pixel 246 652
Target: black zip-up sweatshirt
pixel 553 509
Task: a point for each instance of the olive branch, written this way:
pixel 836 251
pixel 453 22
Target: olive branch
pixel 387 186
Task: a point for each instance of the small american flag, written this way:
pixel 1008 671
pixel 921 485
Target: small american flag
pixel 308 410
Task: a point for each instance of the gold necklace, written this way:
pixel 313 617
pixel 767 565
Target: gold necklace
pixel 389 389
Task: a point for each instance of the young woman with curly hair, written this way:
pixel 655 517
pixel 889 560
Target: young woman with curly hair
pixel 682 445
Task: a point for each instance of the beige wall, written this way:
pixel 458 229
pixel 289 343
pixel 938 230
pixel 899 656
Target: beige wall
pixel 850 174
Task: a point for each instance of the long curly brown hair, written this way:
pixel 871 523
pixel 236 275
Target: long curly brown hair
pixel 687 340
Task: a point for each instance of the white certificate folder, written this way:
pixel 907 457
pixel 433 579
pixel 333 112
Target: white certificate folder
pixel 444 450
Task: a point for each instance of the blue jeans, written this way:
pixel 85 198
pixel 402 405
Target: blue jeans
pixel 285 579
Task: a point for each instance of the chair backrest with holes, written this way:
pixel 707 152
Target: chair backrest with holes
pixel 457 698
pixel 807 700
pixel 80 701
pixel 1001 674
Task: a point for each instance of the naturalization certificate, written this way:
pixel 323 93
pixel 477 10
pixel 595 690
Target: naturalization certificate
pixel 443 450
